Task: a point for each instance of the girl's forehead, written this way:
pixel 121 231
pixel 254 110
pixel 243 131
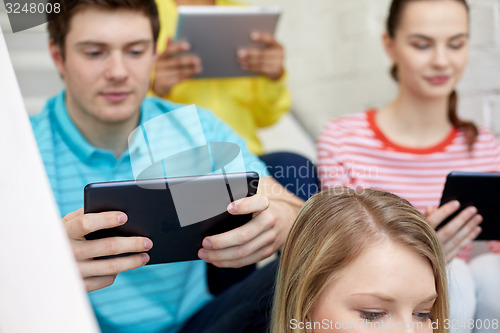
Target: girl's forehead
pixel 434 17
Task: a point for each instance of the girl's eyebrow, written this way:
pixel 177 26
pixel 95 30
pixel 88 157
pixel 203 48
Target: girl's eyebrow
pixel 383 297
pixel 387 298
pixel 460 35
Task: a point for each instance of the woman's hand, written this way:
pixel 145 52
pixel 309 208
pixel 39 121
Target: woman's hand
pixel 457 233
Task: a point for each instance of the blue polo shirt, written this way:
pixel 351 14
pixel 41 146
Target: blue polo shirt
pixel 156 298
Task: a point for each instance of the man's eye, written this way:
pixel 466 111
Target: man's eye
pixel 371 316
pixel 93 53
pixel 136 52
pixel 423 316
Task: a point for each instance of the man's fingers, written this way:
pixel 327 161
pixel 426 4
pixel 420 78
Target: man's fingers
pixel 253 204
pixel 79 225
pixel 261 254
pixel 98 282
pixel 73 215
pixel 244 234
pixel 104 267
pixel 242 251
pixel 439 215
pixel 110 246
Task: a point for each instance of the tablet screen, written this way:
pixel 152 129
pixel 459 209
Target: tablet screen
pixel 478 189
pixel 215 33
pixel 153 210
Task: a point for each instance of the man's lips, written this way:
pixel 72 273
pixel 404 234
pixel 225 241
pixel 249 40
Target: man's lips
pixel 437 79
pixel 115 96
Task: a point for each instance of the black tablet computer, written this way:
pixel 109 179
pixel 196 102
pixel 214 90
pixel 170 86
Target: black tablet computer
pixel 478 189
pixel 175 213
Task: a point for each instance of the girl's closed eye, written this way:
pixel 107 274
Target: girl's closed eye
pixel 371 315
pixel 423 316
pixel 421 46
pixel 456 46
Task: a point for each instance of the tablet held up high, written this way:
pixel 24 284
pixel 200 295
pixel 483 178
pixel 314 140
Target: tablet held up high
pixel 216 33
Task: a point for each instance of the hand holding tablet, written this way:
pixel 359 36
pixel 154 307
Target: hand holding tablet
pixel 475 189
pixel 175 213
pixel 459 232
pixel 216 33
pixel 173 66
pixel 267 60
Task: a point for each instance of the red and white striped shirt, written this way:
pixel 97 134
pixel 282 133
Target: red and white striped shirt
pixel 353 152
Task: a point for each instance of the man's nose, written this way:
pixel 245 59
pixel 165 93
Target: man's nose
pixel 116 68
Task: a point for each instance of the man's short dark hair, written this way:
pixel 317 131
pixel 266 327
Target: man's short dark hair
pixel 59 23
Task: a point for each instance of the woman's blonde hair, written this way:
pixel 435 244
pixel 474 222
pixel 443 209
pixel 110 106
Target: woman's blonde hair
pixel 331 231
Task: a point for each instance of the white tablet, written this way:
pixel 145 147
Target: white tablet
pixel 215 33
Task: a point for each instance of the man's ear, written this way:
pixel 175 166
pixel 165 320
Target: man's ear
pixel 389 46
pixel 57 56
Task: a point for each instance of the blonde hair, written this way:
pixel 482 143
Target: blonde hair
pixel 331 231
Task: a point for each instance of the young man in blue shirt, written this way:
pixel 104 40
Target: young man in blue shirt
pixel 104 51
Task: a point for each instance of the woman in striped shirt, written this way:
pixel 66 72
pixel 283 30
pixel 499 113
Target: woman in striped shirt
pixel 409 146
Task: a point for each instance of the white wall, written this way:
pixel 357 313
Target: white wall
pixel 480 87
pixel 34 70
pixel 334 57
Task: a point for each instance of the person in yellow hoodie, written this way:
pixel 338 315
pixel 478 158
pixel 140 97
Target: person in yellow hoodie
pixel 245 103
